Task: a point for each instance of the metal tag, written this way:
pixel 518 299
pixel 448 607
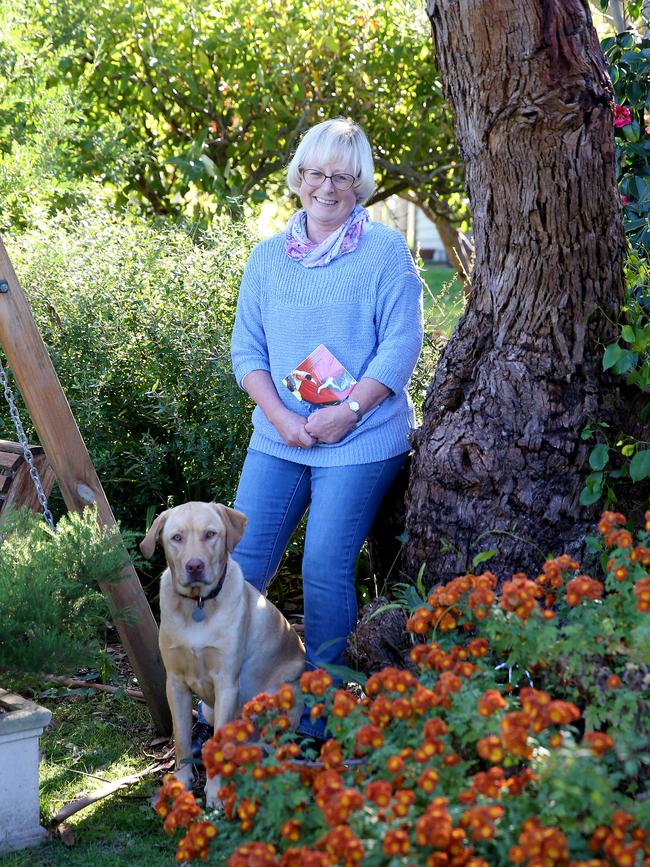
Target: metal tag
pixel 198 615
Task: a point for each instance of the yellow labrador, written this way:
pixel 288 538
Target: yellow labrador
pixel 219 637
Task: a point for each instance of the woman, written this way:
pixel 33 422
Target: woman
pixel 335 278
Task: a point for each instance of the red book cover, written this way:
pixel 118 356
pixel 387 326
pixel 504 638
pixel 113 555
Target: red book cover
pixel 320 379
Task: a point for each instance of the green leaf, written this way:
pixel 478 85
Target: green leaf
pixel 611 356
pixel 632 131
pixel 627 333
pixel 626 362
pixel 640 465
pixel 599 457
pixel 588 498
pixel 483 556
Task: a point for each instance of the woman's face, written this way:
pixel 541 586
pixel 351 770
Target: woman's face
pixel 327 208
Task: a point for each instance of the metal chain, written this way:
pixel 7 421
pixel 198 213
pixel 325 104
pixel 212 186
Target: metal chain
pixel 29 458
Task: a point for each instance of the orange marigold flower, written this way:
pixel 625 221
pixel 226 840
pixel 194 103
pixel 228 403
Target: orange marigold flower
pixel 420 621
pixel 315 682
pixel 514 734
pixel 540 845
pixel 490 749
pixel 428 780
pixel 369 736
pixel 478 647
pixel 338 808
pixel 257 853
pixel 183 812
pixel 435 728
pixel 640 555
pixel 195 843
pixel 642 593
pixel 519 596
pixel 317 710
pixel 257 705
pixel 284 698
pixel 331 754
pixel 490 702
pixel 396 842
pixel 489 783
pixel 290 830
pixel 343 704
pixel 598 742
pixel 394 764
pixel 379 792
pixel 403 799
pixel 342 845
pixel 583 587
pixel 614 682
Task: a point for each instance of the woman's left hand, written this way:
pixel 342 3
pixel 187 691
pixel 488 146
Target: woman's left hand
pixel 330 424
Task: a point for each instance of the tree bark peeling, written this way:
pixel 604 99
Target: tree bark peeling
pixel 498 462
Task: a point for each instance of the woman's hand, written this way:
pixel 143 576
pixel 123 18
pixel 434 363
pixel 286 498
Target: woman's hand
pixel 292 429
pixel 330 424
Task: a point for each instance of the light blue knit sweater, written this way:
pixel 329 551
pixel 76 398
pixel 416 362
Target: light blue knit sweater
pixel 365 306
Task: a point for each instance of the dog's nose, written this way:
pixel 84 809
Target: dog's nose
pixel 195 568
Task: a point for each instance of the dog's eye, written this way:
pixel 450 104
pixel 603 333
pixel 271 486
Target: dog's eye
pixel 210 534
pixel 177 537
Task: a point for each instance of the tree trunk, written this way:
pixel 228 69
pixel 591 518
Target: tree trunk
pixel 499 462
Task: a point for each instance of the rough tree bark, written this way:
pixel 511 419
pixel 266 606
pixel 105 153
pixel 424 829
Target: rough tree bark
pixel 499 463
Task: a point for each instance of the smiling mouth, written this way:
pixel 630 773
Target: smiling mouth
pixel 325 201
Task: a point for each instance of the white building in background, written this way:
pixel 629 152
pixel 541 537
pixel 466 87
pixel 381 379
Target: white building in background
pixel 417 228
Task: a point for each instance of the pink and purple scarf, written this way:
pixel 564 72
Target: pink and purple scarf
pixel 343 240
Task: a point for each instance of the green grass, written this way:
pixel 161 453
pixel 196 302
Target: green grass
pixel 105 736
pixel 443 298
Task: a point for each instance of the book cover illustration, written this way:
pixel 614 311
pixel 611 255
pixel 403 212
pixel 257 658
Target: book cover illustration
pixel 320 379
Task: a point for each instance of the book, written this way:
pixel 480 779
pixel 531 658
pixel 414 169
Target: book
pixel 320 379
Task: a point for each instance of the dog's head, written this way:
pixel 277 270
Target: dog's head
pixel 197 538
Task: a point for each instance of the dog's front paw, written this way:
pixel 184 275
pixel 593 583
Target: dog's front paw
pixel 212 799
pixel 185 775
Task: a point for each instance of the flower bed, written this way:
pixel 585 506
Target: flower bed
pixel 519 737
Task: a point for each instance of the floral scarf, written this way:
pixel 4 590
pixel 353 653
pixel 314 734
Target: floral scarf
pixel 343 240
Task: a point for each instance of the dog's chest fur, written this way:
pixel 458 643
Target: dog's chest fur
pixel 195 665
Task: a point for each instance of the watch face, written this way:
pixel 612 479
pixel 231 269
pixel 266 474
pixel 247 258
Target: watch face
pixel 354 405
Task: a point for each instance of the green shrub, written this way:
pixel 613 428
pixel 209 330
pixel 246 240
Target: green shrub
pixel 53 613
pixel 137 319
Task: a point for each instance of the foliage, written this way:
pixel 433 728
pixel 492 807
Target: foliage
pixel 619 459
pixel 137 320
pixel 53 614
pixel 189 108
pixel 461 761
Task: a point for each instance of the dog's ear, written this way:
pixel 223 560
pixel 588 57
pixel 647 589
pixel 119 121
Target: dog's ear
pixel 148 544
pixel 234 522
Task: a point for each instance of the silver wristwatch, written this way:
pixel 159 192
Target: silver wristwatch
pixel 354 406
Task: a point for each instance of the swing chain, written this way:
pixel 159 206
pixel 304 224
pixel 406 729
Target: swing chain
pixel 29 458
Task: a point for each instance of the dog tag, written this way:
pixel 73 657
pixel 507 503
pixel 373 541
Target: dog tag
pixel 198 615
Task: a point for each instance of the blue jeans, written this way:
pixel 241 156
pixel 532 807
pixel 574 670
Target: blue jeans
pixel 342 502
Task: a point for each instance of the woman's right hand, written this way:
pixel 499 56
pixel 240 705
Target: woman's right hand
pixel 291 428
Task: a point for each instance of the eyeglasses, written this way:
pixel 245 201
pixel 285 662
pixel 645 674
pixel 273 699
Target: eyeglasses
pixel 341 180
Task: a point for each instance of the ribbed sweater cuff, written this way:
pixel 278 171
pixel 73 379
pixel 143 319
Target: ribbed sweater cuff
pixel 247 366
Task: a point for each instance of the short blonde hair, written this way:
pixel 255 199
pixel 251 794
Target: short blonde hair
pixel 338 141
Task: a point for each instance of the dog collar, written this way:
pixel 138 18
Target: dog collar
pixel 199 614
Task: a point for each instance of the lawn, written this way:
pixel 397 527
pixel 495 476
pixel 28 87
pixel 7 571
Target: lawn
pixel 443 298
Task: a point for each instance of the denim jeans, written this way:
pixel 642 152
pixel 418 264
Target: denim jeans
pixel 343 502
